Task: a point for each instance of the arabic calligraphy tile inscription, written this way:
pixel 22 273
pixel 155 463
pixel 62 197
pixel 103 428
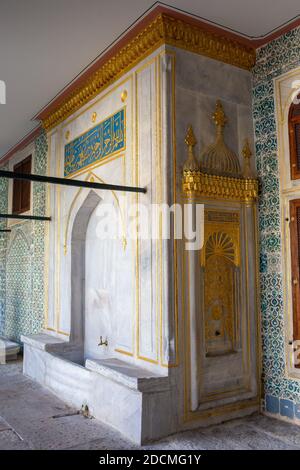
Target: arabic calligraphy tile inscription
pixel 106 138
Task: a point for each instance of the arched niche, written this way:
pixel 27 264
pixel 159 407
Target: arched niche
pixel 78 251
pixel 221 281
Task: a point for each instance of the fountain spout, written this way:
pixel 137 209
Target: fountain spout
pixel 103 343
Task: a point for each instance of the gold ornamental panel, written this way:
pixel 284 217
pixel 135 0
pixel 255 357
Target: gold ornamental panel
pixel 220 261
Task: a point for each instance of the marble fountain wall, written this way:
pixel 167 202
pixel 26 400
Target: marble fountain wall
pixel 127 272
pixel 115 289
pixel 129 292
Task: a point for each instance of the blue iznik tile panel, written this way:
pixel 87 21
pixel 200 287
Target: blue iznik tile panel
pixel 274 59
pixel 23 281
pixel 18 283
pixel 3 246
pixel 103 140
pixel 38 246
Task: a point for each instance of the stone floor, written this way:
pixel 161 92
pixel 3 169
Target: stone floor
pixel 32 418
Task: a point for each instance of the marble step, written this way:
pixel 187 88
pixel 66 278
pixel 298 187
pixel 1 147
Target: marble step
pixel 128 375
pixel 8 350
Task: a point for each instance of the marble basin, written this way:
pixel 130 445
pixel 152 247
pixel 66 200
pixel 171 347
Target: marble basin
pixel 123 395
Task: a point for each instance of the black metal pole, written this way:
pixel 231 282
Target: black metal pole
pixel 23 217
pixel 6 230
pixel 69 182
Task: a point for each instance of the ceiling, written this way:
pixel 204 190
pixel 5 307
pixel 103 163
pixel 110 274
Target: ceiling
pixel 44 44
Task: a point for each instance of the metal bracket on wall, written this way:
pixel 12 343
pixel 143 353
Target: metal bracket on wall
pixel 23 217
pixel 70 182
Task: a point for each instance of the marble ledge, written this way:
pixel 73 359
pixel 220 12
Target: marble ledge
pixel 42 341
pixel 129 375
pixel 8 349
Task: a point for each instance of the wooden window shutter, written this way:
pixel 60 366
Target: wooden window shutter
pixel 294 134
pixel 22 189
pixel 16 197
pixel 295 253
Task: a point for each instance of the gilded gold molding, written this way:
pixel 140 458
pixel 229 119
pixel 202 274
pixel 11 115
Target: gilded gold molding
pixel 195 39
pixel 202 185
pixel 162 30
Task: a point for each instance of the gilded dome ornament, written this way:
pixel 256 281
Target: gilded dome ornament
pixel 218 158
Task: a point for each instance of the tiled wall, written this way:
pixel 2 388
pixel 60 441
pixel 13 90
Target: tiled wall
pixel 274 59
pixel 22 261
pixel 3 245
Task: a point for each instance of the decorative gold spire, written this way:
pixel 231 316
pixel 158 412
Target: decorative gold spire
pixel 247 154
pixel 190 138
pixel 191 163
pixel 219 116
pixel 218 158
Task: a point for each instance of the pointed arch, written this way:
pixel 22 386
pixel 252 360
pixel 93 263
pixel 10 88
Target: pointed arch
pixel 78 247
pixel 91 176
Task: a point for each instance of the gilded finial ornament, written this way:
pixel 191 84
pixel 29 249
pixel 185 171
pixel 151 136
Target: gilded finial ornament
pixel 124 96
pixel 219 117
pixel 94 116
pixel 247 154
pixel 191 163
pixel 190 138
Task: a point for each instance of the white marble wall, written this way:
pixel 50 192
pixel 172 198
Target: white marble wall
pixel 126 298
pixel 200 81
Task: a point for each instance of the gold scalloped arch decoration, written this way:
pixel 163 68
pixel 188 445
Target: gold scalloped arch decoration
pixel 220 244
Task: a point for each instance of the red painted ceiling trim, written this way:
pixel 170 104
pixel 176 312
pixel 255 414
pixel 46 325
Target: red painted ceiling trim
pixel 270 37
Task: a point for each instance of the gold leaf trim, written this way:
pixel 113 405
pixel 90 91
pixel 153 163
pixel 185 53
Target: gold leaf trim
pixel 196 39
pixel 198 184
pixel 162 30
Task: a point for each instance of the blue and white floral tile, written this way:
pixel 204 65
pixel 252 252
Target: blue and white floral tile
pixel 273 59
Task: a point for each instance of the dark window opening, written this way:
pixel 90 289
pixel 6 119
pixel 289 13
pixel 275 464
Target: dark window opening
pixel 22 189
